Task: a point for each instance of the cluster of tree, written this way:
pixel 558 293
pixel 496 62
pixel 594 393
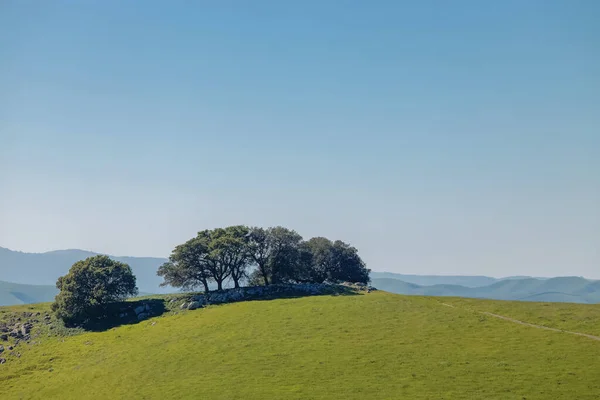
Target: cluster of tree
pixel 262 257
pixel 255 255
pixel 90 286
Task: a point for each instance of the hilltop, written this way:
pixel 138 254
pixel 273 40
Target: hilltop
pixel 375 345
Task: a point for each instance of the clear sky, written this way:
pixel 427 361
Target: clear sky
pixel 438 137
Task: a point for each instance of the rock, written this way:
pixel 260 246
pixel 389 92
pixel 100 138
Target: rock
pixel 10 348
pixel 194 305
pixel 1 349
pixel 139 309
pixel 201 299
pixel 4 337
pixel 142 316
pixel 2 360
pixel 183 305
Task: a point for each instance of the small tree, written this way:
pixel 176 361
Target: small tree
pixel 188 265
pixel 90 286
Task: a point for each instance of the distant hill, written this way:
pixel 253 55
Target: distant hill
pixel 563 289
pixel 16 293
pixel 34 275
pixel 429 280
pixel 45 268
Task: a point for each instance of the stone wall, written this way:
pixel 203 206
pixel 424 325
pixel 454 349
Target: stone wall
pixel 268 292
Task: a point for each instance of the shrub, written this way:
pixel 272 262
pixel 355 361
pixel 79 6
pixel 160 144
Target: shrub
pixel 90 287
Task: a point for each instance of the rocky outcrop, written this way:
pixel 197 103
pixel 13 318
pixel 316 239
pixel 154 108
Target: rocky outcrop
pixel 267 292
pixel 143 311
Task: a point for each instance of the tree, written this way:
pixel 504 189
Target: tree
pixel 347 264
pixel 256 278
pixel 260 248
pixel 90 286
pixel 229 248
pixel 280 255
pixel 283 261
pixel 335 262
pixel 188 265
pixel 322 260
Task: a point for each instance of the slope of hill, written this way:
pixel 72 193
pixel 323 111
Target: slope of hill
pixel 45 268
pixel 15 293
pixel 562 289
pixel 376 345
pixel 430 280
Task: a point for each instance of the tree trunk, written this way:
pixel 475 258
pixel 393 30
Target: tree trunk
pixel 205 283
pixel 264 274
pixel 236 283
pixel 266 279
pixel 219 284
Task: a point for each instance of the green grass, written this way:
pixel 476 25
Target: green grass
pixel 372 346
pixel 584 318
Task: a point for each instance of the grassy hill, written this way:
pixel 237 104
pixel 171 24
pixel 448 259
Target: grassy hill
pixel 376 345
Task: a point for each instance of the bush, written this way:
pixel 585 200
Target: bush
pixel 90 287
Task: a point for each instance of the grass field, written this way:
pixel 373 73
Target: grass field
pixel 372 346
pixel 584 318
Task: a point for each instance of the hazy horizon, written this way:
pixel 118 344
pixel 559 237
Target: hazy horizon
pixel 437 138
pixel 374 269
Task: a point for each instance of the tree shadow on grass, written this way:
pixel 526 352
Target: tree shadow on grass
pixel 341 291
pixel 125 313
pixel 133 312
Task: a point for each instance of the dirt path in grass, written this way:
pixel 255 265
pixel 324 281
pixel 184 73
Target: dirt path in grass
pixel 516 321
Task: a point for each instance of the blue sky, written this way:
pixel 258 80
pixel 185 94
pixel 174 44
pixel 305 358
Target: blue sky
pixel 438 137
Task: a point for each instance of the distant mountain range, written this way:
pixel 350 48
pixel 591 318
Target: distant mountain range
pixel 429 280
pixel 570 289
pixel 16 293
pixel 31 278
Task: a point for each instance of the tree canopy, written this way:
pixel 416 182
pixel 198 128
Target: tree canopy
pixel 90 286
pixel 260 256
